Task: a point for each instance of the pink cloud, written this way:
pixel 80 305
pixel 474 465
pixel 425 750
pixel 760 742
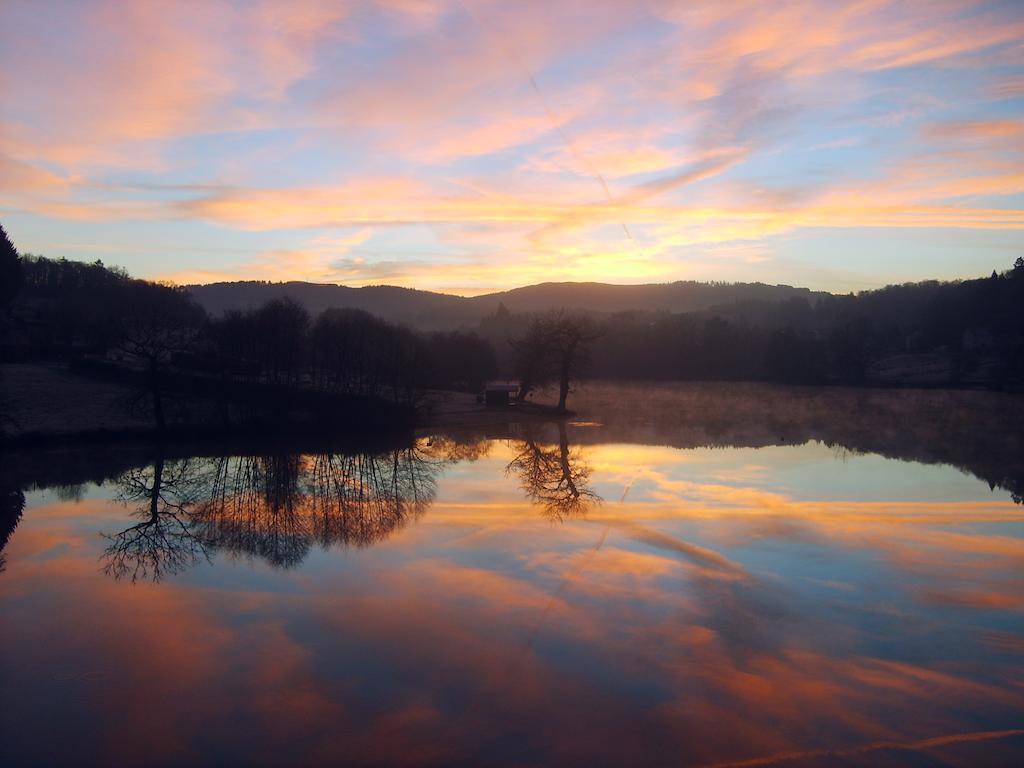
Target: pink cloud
pixel 576 119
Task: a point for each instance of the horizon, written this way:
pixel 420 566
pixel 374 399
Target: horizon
pixel 569 282
pixel 408 143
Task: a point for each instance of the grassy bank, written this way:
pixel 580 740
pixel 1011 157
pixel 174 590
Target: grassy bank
pixel 45 404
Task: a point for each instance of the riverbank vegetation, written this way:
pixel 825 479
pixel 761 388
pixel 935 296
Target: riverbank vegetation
pixel 276 365
pixel 934 334
pixel 273 366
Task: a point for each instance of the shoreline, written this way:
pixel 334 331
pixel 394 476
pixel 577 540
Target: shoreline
pixel 57 407
pixel 976 431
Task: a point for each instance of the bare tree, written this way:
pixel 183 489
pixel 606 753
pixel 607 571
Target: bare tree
pixel 555 477
pixel 255 506
pixel 163 542
pixel 158 323
pixel 281 327
pixel 278 507
pixel 353 352
pixel 555 348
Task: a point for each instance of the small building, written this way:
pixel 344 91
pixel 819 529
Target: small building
pixel 500 392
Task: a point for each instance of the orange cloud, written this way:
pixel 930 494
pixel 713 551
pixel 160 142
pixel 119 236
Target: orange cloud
pixel 484 624
pixel 979 130
pixel 535 130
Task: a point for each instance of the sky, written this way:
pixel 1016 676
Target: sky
pixel 467 146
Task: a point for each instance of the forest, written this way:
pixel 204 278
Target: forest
pixel 257 365
pixel 100 319
pixel 948 334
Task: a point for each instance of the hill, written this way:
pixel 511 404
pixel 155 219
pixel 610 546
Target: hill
pixel 429 310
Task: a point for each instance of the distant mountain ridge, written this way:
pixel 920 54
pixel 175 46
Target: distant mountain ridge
pixel 430 310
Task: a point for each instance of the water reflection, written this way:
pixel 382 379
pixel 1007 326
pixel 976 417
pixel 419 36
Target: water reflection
pixel 556 477
pixel 763 604
pixel 977 432
pixel 277 507
pixel 12 505
pixel 274 507
pixel 164 541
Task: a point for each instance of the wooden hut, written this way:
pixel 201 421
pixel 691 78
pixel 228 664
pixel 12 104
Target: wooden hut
pixel 498 393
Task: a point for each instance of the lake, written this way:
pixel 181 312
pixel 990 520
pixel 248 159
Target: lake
pixel 701 576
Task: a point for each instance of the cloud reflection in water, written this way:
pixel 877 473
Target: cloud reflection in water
pixel 427 606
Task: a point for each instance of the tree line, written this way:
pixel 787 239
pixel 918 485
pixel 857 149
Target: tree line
pixel 80 311
pixel 969 331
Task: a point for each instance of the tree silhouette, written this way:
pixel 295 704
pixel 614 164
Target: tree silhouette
pixel 555 348
pixel 459 360
pixel 10 283
pixel 253 505
pixel 281 328
pixel 10 271
pixel 361 499
pixel 12 505
pixel 164 541
pixel 556 477
pixel 158 324
pixel 353 352
pixel 274 507
pixel 277 507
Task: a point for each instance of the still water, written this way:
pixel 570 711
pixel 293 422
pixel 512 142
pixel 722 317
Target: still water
pixel 584 595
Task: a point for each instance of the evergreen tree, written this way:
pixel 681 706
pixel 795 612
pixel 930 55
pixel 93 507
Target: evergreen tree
pixel 10 270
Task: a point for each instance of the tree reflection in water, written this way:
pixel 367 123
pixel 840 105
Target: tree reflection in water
pixel 12 505
pixel 554 476
pixel 276 507
pixel 163 542
pixel 273 507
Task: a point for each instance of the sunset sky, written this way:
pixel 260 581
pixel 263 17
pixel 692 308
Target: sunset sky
pixel 470 145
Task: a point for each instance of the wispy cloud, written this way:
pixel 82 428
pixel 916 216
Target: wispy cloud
pixel 574 135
